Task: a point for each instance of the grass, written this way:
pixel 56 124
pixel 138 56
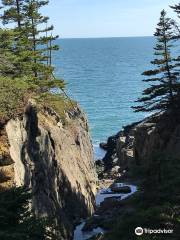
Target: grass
pixel 15 93
pixel 58 102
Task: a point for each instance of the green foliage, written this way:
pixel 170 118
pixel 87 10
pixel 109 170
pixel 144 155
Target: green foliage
pixel 163 93
pixel 157 206
pixel 14 94
pixel 13 12
pixel 40 41
pixel 31 43
pixel 176 9
pixel 17 221
pixel 57 102
pixel 26 72
pixel 26 57
pixel 7 57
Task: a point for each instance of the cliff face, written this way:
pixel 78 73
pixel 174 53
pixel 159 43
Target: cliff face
pixel 142 141
pixel 56 161
pixel 157 136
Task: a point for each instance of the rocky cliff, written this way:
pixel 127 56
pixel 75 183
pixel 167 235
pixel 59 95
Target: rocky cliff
pixel 53 157
pixel 140 142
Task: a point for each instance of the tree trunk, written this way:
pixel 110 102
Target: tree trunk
pixel 18 14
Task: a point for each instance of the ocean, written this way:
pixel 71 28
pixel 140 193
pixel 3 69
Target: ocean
pixel 104 76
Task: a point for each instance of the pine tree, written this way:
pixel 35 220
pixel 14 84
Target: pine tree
pixel 163 92
pixel 13 13
pixel 39 40
pixel 176 9
pixel 28 45
pixel 32 46
pixel 6 55
pixel 17 221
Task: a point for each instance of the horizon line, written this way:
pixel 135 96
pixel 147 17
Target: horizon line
pixel 104 37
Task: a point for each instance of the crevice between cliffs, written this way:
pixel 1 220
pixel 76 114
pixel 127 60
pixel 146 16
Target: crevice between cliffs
pixel 53 156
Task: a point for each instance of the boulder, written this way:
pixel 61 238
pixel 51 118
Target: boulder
pixel 113 199
pixel 104 146
pixel 118 188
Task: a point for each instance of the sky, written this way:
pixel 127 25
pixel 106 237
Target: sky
pixel 105 18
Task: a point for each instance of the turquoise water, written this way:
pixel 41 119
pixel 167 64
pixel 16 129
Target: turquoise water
pixel 104 76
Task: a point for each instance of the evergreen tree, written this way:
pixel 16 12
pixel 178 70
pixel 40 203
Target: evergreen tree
pixel 13 12
pixel 40 42
pixel 6 55
pixel 27 46
pixel 176 9
pixel 32 46
pixel 17 221
pixel 163 92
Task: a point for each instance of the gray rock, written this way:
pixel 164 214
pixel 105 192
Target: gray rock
pixel 47 159
pixel 120 189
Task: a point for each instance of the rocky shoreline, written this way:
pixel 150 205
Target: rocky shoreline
pixel 137 143
pixel 110 204
pixel 73 180
pixel 111 199
pixel 128 150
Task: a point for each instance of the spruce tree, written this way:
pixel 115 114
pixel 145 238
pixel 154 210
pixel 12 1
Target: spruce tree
pixel 17 220
pixel 29 45
pixel 32 47
pixel 6 56
pixel 40 40
pixel 13 12
pixel 163 92
pixel 176 9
